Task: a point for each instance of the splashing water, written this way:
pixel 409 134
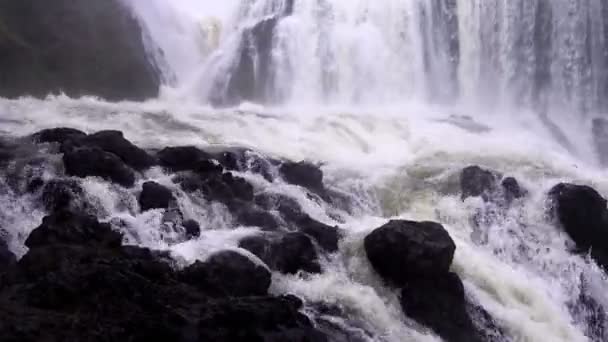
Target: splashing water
pixel 395 98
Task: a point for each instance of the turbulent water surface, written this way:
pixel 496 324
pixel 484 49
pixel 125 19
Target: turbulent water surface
pixel 394 98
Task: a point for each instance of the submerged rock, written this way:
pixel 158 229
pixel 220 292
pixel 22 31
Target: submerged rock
pixel 326 236
pixel 288 253
pixel 87 161
pixel 583 214
pixel 228 273
pixel 76 47
pixel 404 250
pixel 155 196
pixel 489 185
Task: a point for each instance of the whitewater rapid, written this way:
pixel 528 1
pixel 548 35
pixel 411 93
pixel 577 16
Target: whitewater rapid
pixel 393 98
pixel 400 163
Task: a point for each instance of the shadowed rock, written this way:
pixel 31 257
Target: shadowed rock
pixel 155 196
pixel 115 142
pixel 287 253
pixel 86 161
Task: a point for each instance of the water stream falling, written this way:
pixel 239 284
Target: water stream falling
pixel 394 97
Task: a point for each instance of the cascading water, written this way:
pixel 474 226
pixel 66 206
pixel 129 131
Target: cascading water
pixel 394 97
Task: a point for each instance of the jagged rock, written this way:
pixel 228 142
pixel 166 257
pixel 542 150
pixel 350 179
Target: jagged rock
pixel 228 273
pixel 288 253
pixel 193 229
pixel 403 250
pixel 76 47
pixel 60 194
pixel 439 303
pixel 66 227
pixel 58 135
pixel 582 212
pixel 155 196
pixel 181 158
pixel 303 174
pixel 115 142
pixel 87 161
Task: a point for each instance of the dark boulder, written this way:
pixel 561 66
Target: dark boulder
pixel 87 161
pixel 228 273
pixel 7 258
pixel 76 47
pixel 512 190
pixel 304 174
pixel 192 228
pixel 326 236
pixel 60 194
pixel 155 196
pixel 582 213
pixel 289 253
pixel 115 142
pixel 66 227
pixel 439 303
pixel 240 159
pixel 403 250
pixel 58 135
pixel 181 158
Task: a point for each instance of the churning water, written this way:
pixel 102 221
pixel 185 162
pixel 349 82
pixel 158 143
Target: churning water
pixel 394 97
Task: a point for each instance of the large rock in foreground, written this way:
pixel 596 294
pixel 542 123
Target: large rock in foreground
pixel 78 47
pixel 402 250
pixel 583 214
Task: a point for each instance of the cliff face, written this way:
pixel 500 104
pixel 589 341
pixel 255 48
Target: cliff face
pixel 79 47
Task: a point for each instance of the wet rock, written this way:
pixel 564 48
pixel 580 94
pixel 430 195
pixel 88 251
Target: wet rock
pixel 246 160
pixel 181 158
pixel 88 161
pixel 60 194
pixel 304 174
pixel 115 142
pixel 439 303
pixel 326 236
pixel 249 79
pixel 74 47
pixel 512 190
pixel 475 181
pixel 58 135
pixel 257 319
pixel 7 258
pixel 65 227
pixel 155 196
pixel 403 250
pixel 252 216
pixel 126 293
pixel 582 213
pixel 288 253
pixel 228 273
pixel 193 229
